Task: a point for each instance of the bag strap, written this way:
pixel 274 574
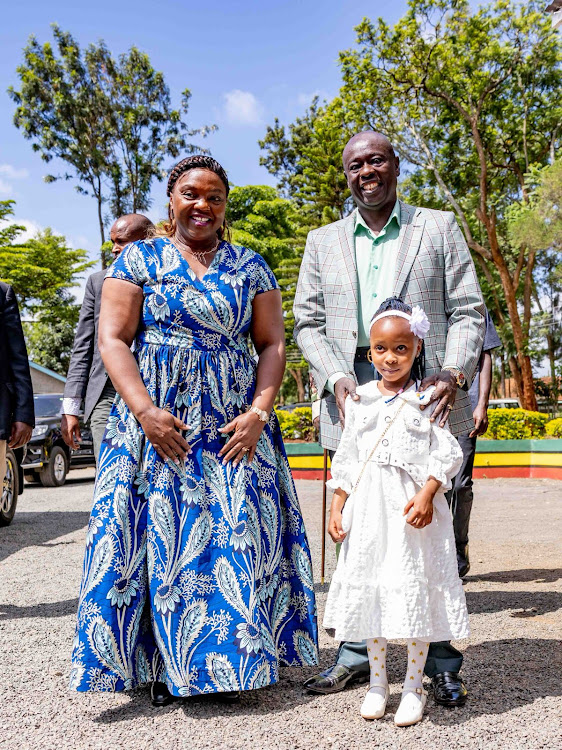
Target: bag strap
pixel 386 429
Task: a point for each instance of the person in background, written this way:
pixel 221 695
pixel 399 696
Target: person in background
pixel 88 388
pixel 461 496
pixel 17 413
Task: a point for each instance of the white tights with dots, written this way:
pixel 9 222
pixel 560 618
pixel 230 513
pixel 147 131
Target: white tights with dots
pixel 417 654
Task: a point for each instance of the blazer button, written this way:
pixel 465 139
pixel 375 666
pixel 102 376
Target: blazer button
pixel 417 422
pixel 354 334
pixel 385 442
pixel 388 418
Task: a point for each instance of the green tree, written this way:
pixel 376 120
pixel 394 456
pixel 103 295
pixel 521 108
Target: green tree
pixel 272 227
pixel 307 161
pixel 42 271
pixel 537 224
pixel 110 121
pixel 471 99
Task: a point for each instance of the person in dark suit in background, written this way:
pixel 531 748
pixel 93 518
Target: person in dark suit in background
pixel 17 413
pixel 88 387
pixel 460 496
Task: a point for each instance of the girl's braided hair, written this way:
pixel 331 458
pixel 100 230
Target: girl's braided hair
pixel 395 303
pixel 197 161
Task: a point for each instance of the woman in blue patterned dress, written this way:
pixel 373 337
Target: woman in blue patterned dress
pixel 197 574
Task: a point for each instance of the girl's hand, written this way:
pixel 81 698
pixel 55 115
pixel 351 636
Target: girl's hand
pixel 247 430
pixel 162 430
pixel 334 526
pixel 420 509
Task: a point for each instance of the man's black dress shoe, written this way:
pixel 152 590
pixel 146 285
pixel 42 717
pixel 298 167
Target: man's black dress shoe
pixel 334 679
pixel 449 689
pixel 463 561
pixel 160 695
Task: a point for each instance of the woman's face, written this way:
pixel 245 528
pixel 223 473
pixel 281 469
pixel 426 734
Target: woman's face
pixel 394 348
pixel 198 203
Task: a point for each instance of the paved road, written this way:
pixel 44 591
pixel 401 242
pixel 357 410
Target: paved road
pixel 512 660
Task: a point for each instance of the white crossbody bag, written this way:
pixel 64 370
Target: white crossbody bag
pixel 347 513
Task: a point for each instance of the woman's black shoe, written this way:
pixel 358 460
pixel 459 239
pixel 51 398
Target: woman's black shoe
pixel 232 696
pixel 160 695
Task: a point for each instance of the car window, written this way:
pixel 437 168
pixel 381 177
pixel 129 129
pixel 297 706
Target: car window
pixel 48 406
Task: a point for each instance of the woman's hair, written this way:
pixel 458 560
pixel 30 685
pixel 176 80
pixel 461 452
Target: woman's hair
pixel 395 303
pixel 198 161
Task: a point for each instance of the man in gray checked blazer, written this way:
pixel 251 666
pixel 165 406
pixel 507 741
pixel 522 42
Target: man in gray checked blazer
pixel 88 387
pixel 386 248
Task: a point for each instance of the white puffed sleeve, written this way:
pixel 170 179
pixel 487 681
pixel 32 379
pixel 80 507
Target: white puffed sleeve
pixel 345 463
pixel 445 455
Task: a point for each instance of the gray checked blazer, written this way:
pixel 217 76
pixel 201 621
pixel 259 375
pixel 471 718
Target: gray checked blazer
pixel 433 269
pixel 87 376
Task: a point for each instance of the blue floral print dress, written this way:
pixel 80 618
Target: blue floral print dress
pixel 196 575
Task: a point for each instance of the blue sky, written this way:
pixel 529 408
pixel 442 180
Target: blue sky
pixel 244 62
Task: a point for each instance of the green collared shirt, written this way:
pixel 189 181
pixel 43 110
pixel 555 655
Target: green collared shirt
pixel 375 257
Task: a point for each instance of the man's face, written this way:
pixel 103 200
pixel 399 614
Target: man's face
pixel 371 170
pixel 122 234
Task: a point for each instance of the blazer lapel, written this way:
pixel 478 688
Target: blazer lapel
pixel 412 224
pixel 347 249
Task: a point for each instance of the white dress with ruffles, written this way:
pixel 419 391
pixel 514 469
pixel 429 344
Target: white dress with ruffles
pixel 393 580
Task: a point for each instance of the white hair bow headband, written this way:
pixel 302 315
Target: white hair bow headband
pixel 419 322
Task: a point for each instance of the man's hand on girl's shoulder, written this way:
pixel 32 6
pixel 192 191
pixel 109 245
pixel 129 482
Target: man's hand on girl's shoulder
pixel 445 394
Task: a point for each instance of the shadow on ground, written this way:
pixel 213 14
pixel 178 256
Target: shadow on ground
pixel 500 601
pixel 39 529
pixel 530 575
pixel 50 609
pixel 501 676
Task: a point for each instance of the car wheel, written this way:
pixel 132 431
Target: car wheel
pixel 10 490
pixel 54 473
pixel 32 477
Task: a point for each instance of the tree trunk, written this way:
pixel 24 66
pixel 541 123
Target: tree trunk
pixel 102 231
pixel 297 375
pixel 518 378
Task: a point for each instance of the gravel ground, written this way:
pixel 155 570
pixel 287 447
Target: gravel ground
pixel 512 660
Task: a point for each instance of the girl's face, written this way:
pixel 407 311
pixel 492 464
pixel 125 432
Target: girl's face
pixel 393 349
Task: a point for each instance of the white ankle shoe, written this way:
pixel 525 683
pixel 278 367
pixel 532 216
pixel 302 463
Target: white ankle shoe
pixel 411 707
pixel 374 704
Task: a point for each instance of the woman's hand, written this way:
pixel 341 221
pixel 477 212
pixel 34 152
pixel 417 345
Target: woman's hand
pixel 162 430
pixel 420 509
pixel 247 430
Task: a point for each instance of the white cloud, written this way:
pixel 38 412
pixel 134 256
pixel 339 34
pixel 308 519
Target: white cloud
pixel 5 188
pixel 31 230
pixel 242 108
pixel 10 173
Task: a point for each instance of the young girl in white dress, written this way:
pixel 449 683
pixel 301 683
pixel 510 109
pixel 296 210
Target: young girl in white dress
pixel 397 574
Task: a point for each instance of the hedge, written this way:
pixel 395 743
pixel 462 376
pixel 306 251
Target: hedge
pixel 515 424
pixel 503 424
pixel 296 424
pixel 554 428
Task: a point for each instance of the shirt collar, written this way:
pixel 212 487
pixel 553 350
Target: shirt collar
pixel 360 224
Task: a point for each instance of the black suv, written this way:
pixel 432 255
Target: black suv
pixel 49 459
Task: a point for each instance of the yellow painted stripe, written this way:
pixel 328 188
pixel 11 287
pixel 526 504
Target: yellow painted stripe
pixel 518 459
pixel 307 462
pixel 480 460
